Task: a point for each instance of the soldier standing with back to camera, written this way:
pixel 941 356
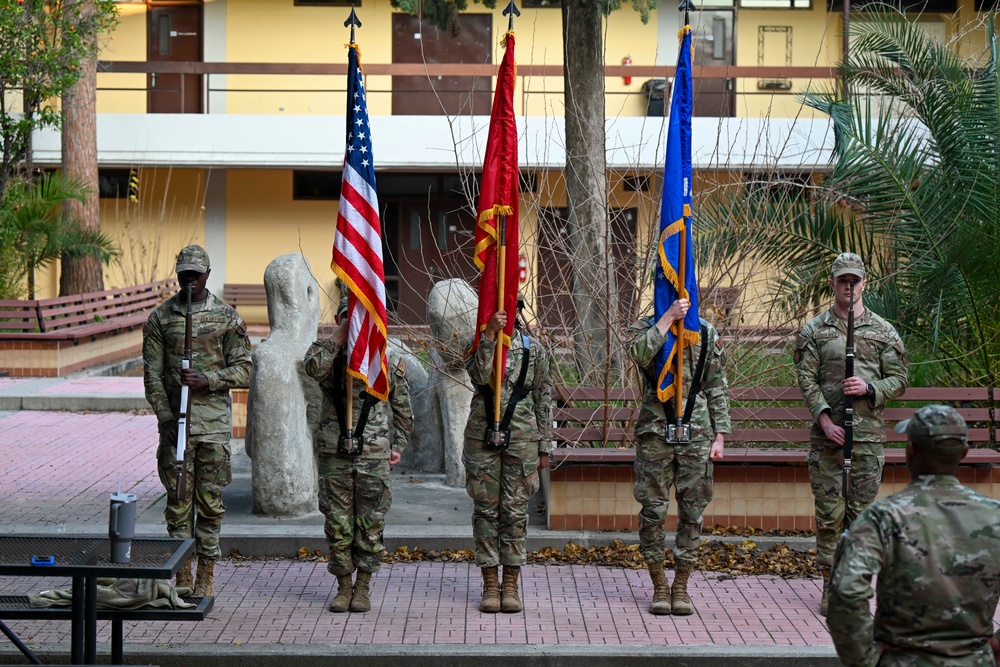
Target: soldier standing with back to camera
pixel 935 548
pixel 354 491
pixel 220 361
pixel 880 374
pixel 660 464
pixel 501 480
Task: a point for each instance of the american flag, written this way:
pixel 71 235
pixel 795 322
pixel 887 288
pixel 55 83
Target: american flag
pixel 357 245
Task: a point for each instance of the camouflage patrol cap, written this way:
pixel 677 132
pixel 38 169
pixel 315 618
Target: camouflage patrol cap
pixel 848 262
pixel 192 258
pixel 931 425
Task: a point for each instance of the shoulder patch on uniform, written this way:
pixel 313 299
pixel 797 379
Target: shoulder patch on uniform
pixel 897 343
pixel 401 366
pixel 240 327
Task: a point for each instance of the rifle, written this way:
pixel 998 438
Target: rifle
pixel 848 399
pixel 185 410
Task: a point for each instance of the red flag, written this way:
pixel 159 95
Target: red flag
pixel 499 200
pixel 357 244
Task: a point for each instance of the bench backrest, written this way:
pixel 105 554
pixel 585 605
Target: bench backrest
pixel 62 312
pixel 19 315
pixel 764 416
pixel 246 294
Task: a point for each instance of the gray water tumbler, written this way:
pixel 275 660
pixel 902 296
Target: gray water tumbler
pixel 121 526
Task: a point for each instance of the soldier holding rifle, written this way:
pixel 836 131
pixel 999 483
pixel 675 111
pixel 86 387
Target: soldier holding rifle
pixel 218 349
pixel 879 374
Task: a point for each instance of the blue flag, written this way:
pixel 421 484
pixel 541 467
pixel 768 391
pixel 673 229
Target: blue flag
pixel 675 228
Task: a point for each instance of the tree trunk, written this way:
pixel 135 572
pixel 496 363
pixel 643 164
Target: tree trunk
pixel 595 293
pixel 79 161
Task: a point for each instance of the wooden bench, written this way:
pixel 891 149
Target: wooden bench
pixel 762 482
pixel 79 316
pixel 237 295
pixel 16 607
pixel 770 423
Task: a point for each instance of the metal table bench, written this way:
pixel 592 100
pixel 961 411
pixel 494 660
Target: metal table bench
pixel 84 560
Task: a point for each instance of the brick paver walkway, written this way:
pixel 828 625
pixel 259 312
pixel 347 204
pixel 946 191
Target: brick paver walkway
pixel 60 467
pixel 97 385
pixel 284 602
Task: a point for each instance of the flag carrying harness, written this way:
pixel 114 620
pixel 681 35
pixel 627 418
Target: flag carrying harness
pixel 699 374
pixel 352 444
pixel 516 394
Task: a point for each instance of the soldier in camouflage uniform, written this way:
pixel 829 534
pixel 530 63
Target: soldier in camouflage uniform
pixel 501 483
pixel 879 375
pixel 687 466
pixel 935 548
pixel 354 492
pixel 220 361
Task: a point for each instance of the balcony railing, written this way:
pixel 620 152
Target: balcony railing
pixel 217 79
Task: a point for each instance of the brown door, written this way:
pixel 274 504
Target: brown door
pixel 555 282
pixel 174 36
pixel 434 242
pixel 713 46
pixel 416 41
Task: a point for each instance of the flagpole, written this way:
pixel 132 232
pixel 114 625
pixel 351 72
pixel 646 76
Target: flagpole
pixel 679 374
pixel 686 6
pixel 498 353
pixel 349 388
pixel 352 21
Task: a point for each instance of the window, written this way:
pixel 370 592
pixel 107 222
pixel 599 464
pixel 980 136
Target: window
pixel 636 183
pixel 113 183
pixel 771 187
pixel 316 185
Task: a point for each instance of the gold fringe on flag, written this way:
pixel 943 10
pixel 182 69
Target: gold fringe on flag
pixel 354 45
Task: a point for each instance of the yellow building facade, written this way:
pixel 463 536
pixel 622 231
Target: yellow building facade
pixel 222 123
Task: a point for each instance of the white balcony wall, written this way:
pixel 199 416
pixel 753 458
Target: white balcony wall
pixel 435 143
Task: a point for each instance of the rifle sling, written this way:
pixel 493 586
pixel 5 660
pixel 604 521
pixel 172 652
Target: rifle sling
pixel 517 393
pixel 339 398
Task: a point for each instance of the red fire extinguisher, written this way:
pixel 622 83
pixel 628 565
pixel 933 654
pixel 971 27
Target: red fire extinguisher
pixel 627 60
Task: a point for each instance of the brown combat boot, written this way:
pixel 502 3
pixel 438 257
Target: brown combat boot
pixel 361 600
pixel 679 591
pixel 342 602
pixel 824 603
pixel 490 604
pixel 184 579
pixel 661 604
pixel 510 601
pixel 205 578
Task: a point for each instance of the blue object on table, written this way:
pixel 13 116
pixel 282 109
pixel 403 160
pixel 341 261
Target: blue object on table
pixel 44 561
